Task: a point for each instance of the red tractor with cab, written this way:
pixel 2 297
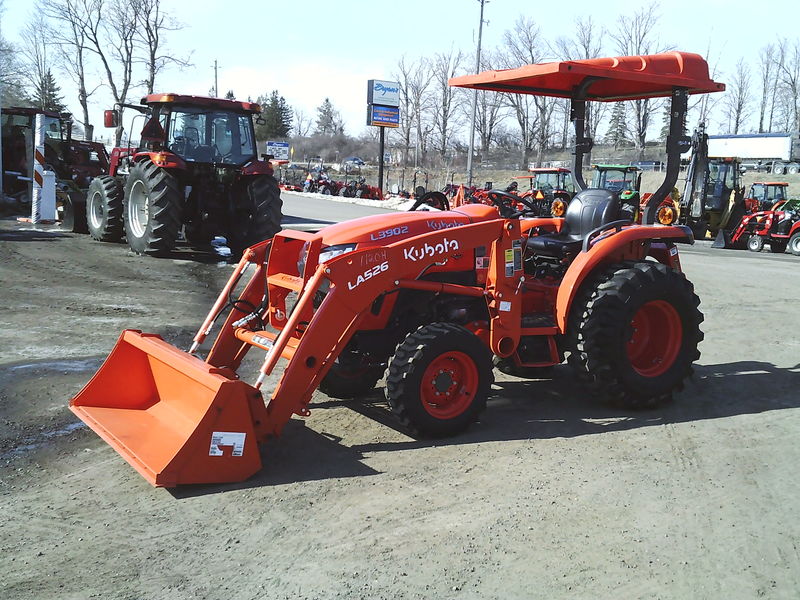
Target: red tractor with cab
pixel 430 299
pixel 195 169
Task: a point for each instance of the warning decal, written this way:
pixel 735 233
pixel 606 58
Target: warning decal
pixel 227 438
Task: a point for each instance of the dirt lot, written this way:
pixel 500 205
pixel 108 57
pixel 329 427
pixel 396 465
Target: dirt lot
pixel 548 496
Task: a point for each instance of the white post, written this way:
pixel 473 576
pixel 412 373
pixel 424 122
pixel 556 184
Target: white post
pixel 38 169
pixel 47 204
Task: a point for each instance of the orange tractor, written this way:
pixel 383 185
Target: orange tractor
pixel 431 298
pixel 550 190
pixel 196 168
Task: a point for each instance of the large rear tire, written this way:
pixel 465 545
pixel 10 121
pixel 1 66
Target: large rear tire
pixel 71 208
pixel 256 214
pixel 152 212
pixel 104 208
pixel 635 337
pixel 439 380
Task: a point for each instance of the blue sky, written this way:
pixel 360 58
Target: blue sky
pixel 314 49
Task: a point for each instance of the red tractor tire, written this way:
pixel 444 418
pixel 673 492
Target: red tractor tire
pixel 104 209
pixel 256 213
pixel 439 380
pixel 634 337
pixel 153 200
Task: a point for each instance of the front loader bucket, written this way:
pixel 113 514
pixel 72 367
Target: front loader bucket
pixel 173 417
pixel 723 240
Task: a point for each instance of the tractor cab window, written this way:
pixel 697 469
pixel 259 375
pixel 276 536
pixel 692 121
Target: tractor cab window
pixel 209 136
pixel 52 129
pixel 546 181
pixel 615 180
pixel 775 193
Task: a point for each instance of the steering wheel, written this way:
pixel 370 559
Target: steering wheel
pixel 434 199
pixel 506 204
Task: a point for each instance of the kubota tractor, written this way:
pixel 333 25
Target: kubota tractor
pixel 429 298
pixel 196 167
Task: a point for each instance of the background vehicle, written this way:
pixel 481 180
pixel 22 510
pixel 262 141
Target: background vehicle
pixel 624 180
pixel 74 162
pixel 777 228
pixel 764 195
pixel 777 153
pixel 430 298
pixel 550 188
pixel 196 167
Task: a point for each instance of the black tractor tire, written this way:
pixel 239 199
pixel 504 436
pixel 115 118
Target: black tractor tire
pixel 439 380
pixel 104 209
pixel 350 378
pixel 699 229
pixel 153 209
pixel 755 243
pixel 197 235
pixel 73 211
pixel 794 244
pixel 256 213
pixel 777 246
pixel 634 334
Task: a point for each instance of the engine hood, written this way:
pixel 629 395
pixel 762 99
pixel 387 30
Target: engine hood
pixel 379 230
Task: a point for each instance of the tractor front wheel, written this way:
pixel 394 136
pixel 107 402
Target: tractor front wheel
pixel 755 243
pixel 635 334
pixel 257 213
pixel 153 200
pixel 439 380
pixel 351 376
pixel 794 244
pixel 104 208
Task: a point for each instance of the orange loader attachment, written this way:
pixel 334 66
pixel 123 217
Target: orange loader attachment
pixel 173 417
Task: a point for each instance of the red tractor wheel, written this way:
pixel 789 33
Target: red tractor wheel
pixel 104 208
pixel 256 214
pixel 755 243
pixel 439 380
pixel 153 200
pixel 634 335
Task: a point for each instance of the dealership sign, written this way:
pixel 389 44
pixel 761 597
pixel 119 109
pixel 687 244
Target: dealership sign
pixel 383 116
pixel 278 150
pixel 384 93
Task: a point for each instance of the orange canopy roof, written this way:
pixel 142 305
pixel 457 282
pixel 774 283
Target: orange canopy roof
pixel 619 78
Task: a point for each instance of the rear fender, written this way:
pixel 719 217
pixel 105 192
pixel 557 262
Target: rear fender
pixel 258 167
pixel 630 243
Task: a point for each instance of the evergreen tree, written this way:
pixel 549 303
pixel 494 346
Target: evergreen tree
pixel 230 95
pixel 665 125
pixel 276 116
pixel 329 121
pixel 47 94
pixel 617 127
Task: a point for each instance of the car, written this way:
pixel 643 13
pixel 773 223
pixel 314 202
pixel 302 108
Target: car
pixel 355 161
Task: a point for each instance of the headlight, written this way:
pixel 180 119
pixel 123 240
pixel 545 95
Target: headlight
pixel 333 251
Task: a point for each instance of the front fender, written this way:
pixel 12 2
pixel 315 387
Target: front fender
pixel 629 243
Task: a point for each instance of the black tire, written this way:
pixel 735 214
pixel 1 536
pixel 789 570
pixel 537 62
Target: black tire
pixel 73 211
pixel 755 243
pixel 634 339
pixel 256 213
pixel 197 235
pixel 153 209
pixel 699 230
pixel 464 379
pixel 794 244
pixel 777 246
pixel 350 377
pixel 104 209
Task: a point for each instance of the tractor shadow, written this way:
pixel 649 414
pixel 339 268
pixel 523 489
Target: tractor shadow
pixel 518 409
pixel 32 235
pixel 561 407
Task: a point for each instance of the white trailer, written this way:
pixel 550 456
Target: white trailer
pixel 776 153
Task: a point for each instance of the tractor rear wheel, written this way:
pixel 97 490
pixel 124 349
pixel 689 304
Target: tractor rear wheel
pixel 794 244
pixel 104 208
pixel 635 338
pixel 153 199
pixel 256 213
pixel 755 243
pixel 439 380
pixel 71 208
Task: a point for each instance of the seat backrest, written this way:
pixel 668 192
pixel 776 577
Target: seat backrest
pixel 589 209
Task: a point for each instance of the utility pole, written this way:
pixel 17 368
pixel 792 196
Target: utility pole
pixel 475 100
pixel 216 84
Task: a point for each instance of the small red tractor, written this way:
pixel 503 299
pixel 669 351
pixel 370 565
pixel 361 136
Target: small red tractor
pixel 778 228
pixel 196 168
pixel 550 190
pixel 74 162
pixel 766 195
pixel 431 298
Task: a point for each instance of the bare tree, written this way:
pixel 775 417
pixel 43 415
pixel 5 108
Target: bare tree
pixel 302 123
pixel 12 91
pixel 586 43
pixel 769 83
pixel 152 24
pixel 788 66
pixel 490 109
pixel 444 66
pixel 634 35
pixel 737 97
pixel 415 79
pixel 34 51
pixel 524 45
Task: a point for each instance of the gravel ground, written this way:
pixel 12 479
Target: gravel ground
pixel 549 496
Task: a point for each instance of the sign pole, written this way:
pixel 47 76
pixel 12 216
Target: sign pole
pixel 380 159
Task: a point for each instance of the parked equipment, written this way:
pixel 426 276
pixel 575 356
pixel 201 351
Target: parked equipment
pixel 196 167
pixel 776 228
pixel 74 162
pixel 430 297
pixel 777 153
pixel 550 189
pixel 766 195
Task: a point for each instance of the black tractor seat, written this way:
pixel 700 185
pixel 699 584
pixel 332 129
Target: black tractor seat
pixel 587 211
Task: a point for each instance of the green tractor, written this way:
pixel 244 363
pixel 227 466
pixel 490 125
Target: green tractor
pixel 624 180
